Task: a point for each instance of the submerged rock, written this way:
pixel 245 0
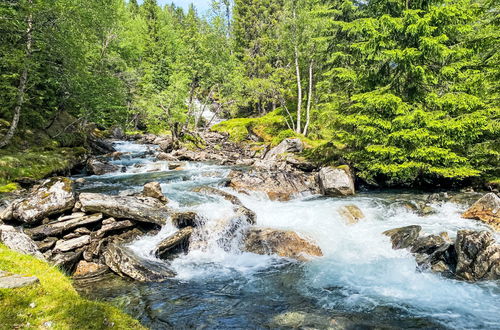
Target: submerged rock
pixel 486 209
pixel 478 256
pixel 336 181
pixel 124 262
pixel 403 237
pixel 98 167
pixel 143 209
pixel 286 244
pixel 153 189
pixel 175 243
pixel 351 214
pixel 53 196
pixel 18 241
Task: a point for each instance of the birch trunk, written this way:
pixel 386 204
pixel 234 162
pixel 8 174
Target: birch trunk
pixel 309 97
pixel 299 92
pixel 21 90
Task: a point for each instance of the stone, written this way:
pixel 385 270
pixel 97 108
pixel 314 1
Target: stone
pixel 98 167
pixel 286 146
pixel 66 260
pixel 143 209
pixel 335 181
pixel 478 255
pixel 185 219
pixel 427 244
pixel 72 244
pixel 123 262
pixel 53 196
pixel 153 189
pixel 118 225
pixel 63 224
pixel 84 268
pixel 82 231
pixel 178 242
pixel 19 242
pixel 486 209
pixel 166 145
pixel 166 157
pixel 13 281
pixel 283 243
pixel 108 221
pixel 351 214
pixel 47 244
pixel 403 237
pixel 276 184
pixel 71 235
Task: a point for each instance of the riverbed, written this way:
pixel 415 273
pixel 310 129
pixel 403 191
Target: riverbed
pixel 360 282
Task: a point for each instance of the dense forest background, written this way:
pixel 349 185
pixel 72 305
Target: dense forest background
pixel 404 91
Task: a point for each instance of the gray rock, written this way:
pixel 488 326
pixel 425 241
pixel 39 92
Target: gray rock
pixel 478 255
pixel 143 209
pixel 53 196
pixel 427 244
pixel 20 242
pixel 63 224
pixel 47 244
pixel 403 237
pixel 286 146
pixel 118 225
pixel 123 262
pixel 175 243
pixel 13 281
pixel 336 181
pixel 66 260
pixel 185 219
pixel 98 167
pixel 72 244
pixel 166 157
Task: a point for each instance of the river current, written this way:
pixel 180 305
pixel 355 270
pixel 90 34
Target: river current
pixel 359 283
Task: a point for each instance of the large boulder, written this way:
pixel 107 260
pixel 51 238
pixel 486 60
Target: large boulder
pixel 278 185
pixel 403 237
pixel 53 196
pixel 283 243
pixel 124 262
pixel 13 281
pixel 18 241
pixel 336 181
pixel 178 242
pixel 143 209
pixel 478 255
pixel 153 189
pixel 486 209
pixel 97 167
pixel 286 146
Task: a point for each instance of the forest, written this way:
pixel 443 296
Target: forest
pixel 405 92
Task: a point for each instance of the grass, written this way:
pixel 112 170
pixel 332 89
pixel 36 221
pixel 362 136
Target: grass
pixel 35 164
pixel 54 301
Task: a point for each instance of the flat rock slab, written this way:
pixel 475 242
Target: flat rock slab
pixel 12 281
pixel 143 209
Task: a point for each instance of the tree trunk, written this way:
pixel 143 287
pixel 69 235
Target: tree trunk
pixel 309 97
pixel 21 90
pixel 299 92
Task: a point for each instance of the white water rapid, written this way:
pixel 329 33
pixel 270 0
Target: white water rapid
pixel 359 272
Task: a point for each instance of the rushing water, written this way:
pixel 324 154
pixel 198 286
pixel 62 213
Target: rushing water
pixel 360 282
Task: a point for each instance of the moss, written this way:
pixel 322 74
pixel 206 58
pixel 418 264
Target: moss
pixel 9 188
pixel 53 300
pixel 36 164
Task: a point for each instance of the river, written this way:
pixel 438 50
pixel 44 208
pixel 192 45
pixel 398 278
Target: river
pixel 360 282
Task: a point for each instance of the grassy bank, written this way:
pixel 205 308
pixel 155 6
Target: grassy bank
pixel 54 301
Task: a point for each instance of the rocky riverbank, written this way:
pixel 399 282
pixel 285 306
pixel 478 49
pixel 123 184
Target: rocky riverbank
pixel 87 233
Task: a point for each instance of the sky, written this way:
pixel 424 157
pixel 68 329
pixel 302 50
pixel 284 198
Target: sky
pixel 202 5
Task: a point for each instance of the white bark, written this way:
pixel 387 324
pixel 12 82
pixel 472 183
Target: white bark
pixel 309 97
pixel 299 92
pixel 21 90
